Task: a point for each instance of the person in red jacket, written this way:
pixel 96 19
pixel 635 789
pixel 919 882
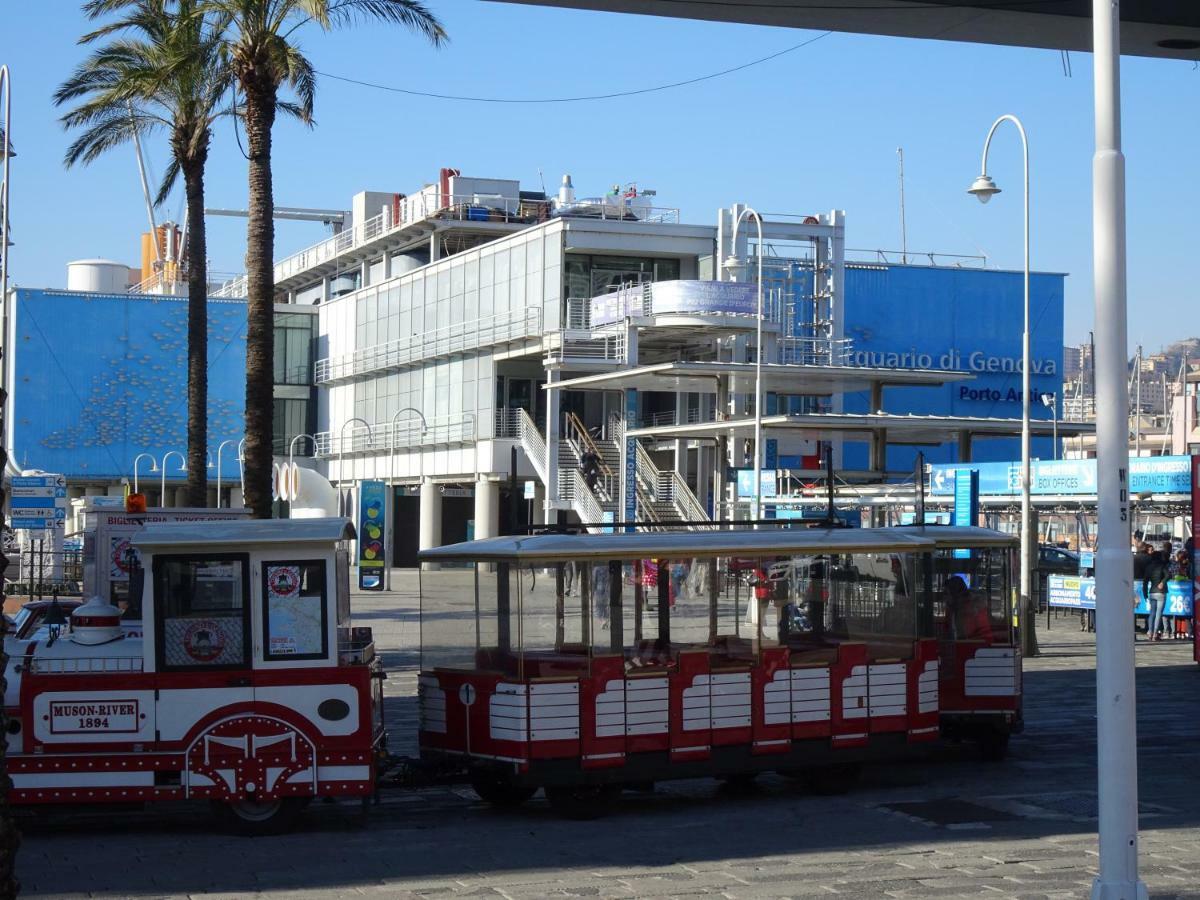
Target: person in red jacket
pixel 966 614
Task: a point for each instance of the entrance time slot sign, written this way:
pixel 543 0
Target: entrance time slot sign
pixel 39 502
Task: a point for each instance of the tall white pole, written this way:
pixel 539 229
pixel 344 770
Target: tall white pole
pixel 1116 701
pixel 903 223
pixel 6 87
pixel 390 520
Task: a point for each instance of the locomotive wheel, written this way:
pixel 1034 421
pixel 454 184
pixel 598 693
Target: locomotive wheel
pixel 993 744
pixel 738 781
pixel 582 802
pixel 253 818
pixel 828 781
pixel 499 790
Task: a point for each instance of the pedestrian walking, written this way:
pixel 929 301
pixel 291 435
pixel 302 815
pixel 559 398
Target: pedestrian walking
pixel 1154 585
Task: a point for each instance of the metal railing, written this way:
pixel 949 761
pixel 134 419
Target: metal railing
pixel 86 665
pixel 574 489
pixel 589 345
pixel 579 441
pixel 449 339
pixel 664 487
pixel 516 424
pixel 382 437
pixel 814 351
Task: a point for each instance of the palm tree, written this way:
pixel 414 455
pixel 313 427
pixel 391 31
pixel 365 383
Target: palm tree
pixel 264 57
pixel 163 69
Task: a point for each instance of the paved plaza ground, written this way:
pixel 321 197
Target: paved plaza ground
pixel 952 827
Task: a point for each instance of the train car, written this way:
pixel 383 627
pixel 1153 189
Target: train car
pixel 250 687
pixel 863 644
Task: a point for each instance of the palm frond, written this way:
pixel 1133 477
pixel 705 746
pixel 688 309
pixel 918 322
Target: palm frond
pixel 409 13
pixel 168 181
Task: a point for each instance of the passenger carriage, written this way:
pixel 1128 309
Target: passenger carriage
pixel 250 687
pixel 805 651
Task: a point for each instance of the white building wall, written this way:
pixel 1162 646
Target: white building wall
pixel 496 283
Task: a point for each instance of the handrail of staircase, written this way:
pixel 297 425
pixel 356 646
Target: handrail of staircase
pixel 583 500
pixel 532 442
pixel 577 433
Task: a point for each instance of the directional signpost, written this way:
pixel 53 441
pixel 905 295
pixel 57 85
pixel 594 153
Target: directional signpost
pixel 39 502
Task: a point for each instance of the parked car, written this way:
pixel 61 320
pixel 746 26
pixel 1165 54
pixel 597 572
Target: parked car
pixel 29 618
pixel 1054 561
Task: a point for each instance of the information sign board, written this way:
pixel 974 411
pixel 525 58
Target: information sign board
pixel 39 502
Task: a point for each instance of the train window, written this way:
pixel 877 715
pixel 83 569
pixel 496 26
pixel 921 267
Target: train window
pixel 468 616
pixel 553 617
pixel 972 595
pixel 295 610
pixel 203 619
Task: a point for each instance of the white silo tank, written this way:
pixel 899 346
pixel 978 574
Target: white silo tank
pixel 100 275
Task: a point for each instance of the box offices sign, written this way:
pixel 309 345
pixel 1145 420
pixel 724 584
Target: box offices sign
pixel 1155 474
pixel 730 298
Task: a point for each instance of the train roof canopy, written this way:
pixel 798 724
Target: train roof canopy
pixel 693 544
pixel 244 532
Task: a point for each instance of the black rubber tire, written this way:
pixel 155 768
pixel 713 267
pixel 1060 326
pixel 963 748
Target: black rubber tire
pixel 498 789
pixel 993 744
pixel 829 781
pixel 582 802
pixel 250 818
pixel 738 781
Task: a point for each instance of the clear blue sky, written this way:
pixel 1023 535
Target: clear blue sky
pixel 814 130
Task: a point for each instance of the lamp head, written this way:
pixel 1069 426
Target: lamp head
pixel 1048 399
pixel 983 187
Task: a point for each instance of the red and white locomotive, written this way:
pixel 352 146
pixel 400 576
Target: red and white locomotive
pixel 249 687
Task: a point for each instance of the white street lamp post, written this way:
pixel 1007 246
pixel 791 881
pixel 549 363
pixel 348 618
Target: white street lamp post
pixel 1051 400
pixel 1116 698
pixel 137 459
pixel 342 452
pixel 984 188
pixel 735 267
pixel 387 572
pixel 220 449
pixel 182 468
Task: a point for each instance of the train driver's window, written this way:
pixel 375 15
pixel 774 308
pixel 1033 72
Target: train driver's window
pixel 203 616
pixel 295 610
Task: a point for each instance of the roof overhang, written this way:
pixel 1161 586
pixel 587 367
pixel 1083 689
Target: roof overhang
pixel 702 378
pixel 1148 27
pixel 914 430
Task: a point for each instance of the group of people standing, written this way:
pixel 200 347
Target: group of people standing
pixel 1154 569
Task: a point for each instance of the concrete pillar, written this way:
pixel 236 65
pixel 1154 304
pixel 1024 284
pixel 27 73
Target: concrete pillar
pixel 539 504
pixel 552 428
pixel 876 397
pixel 964 446
pixel 364 273
pixel 487 508
pixel 326 289
pixel 434 247
pixel 387 264
pixel 180 494
pixel 877 453
pixel 430 534
pixel 236 501
pixel 210 498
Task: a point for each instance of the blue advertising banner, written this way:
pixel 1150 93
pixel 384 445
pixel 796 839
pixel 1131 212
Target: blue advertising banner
pixel 676 297
pixel 966 503
pixel 1072 592
pixel 1157 474
pixel 372 535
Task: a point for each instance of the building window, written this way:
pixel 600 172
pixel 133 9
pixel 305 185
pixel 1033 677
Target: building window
pixel 293 417
pixel 589 276
pixel 295 335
